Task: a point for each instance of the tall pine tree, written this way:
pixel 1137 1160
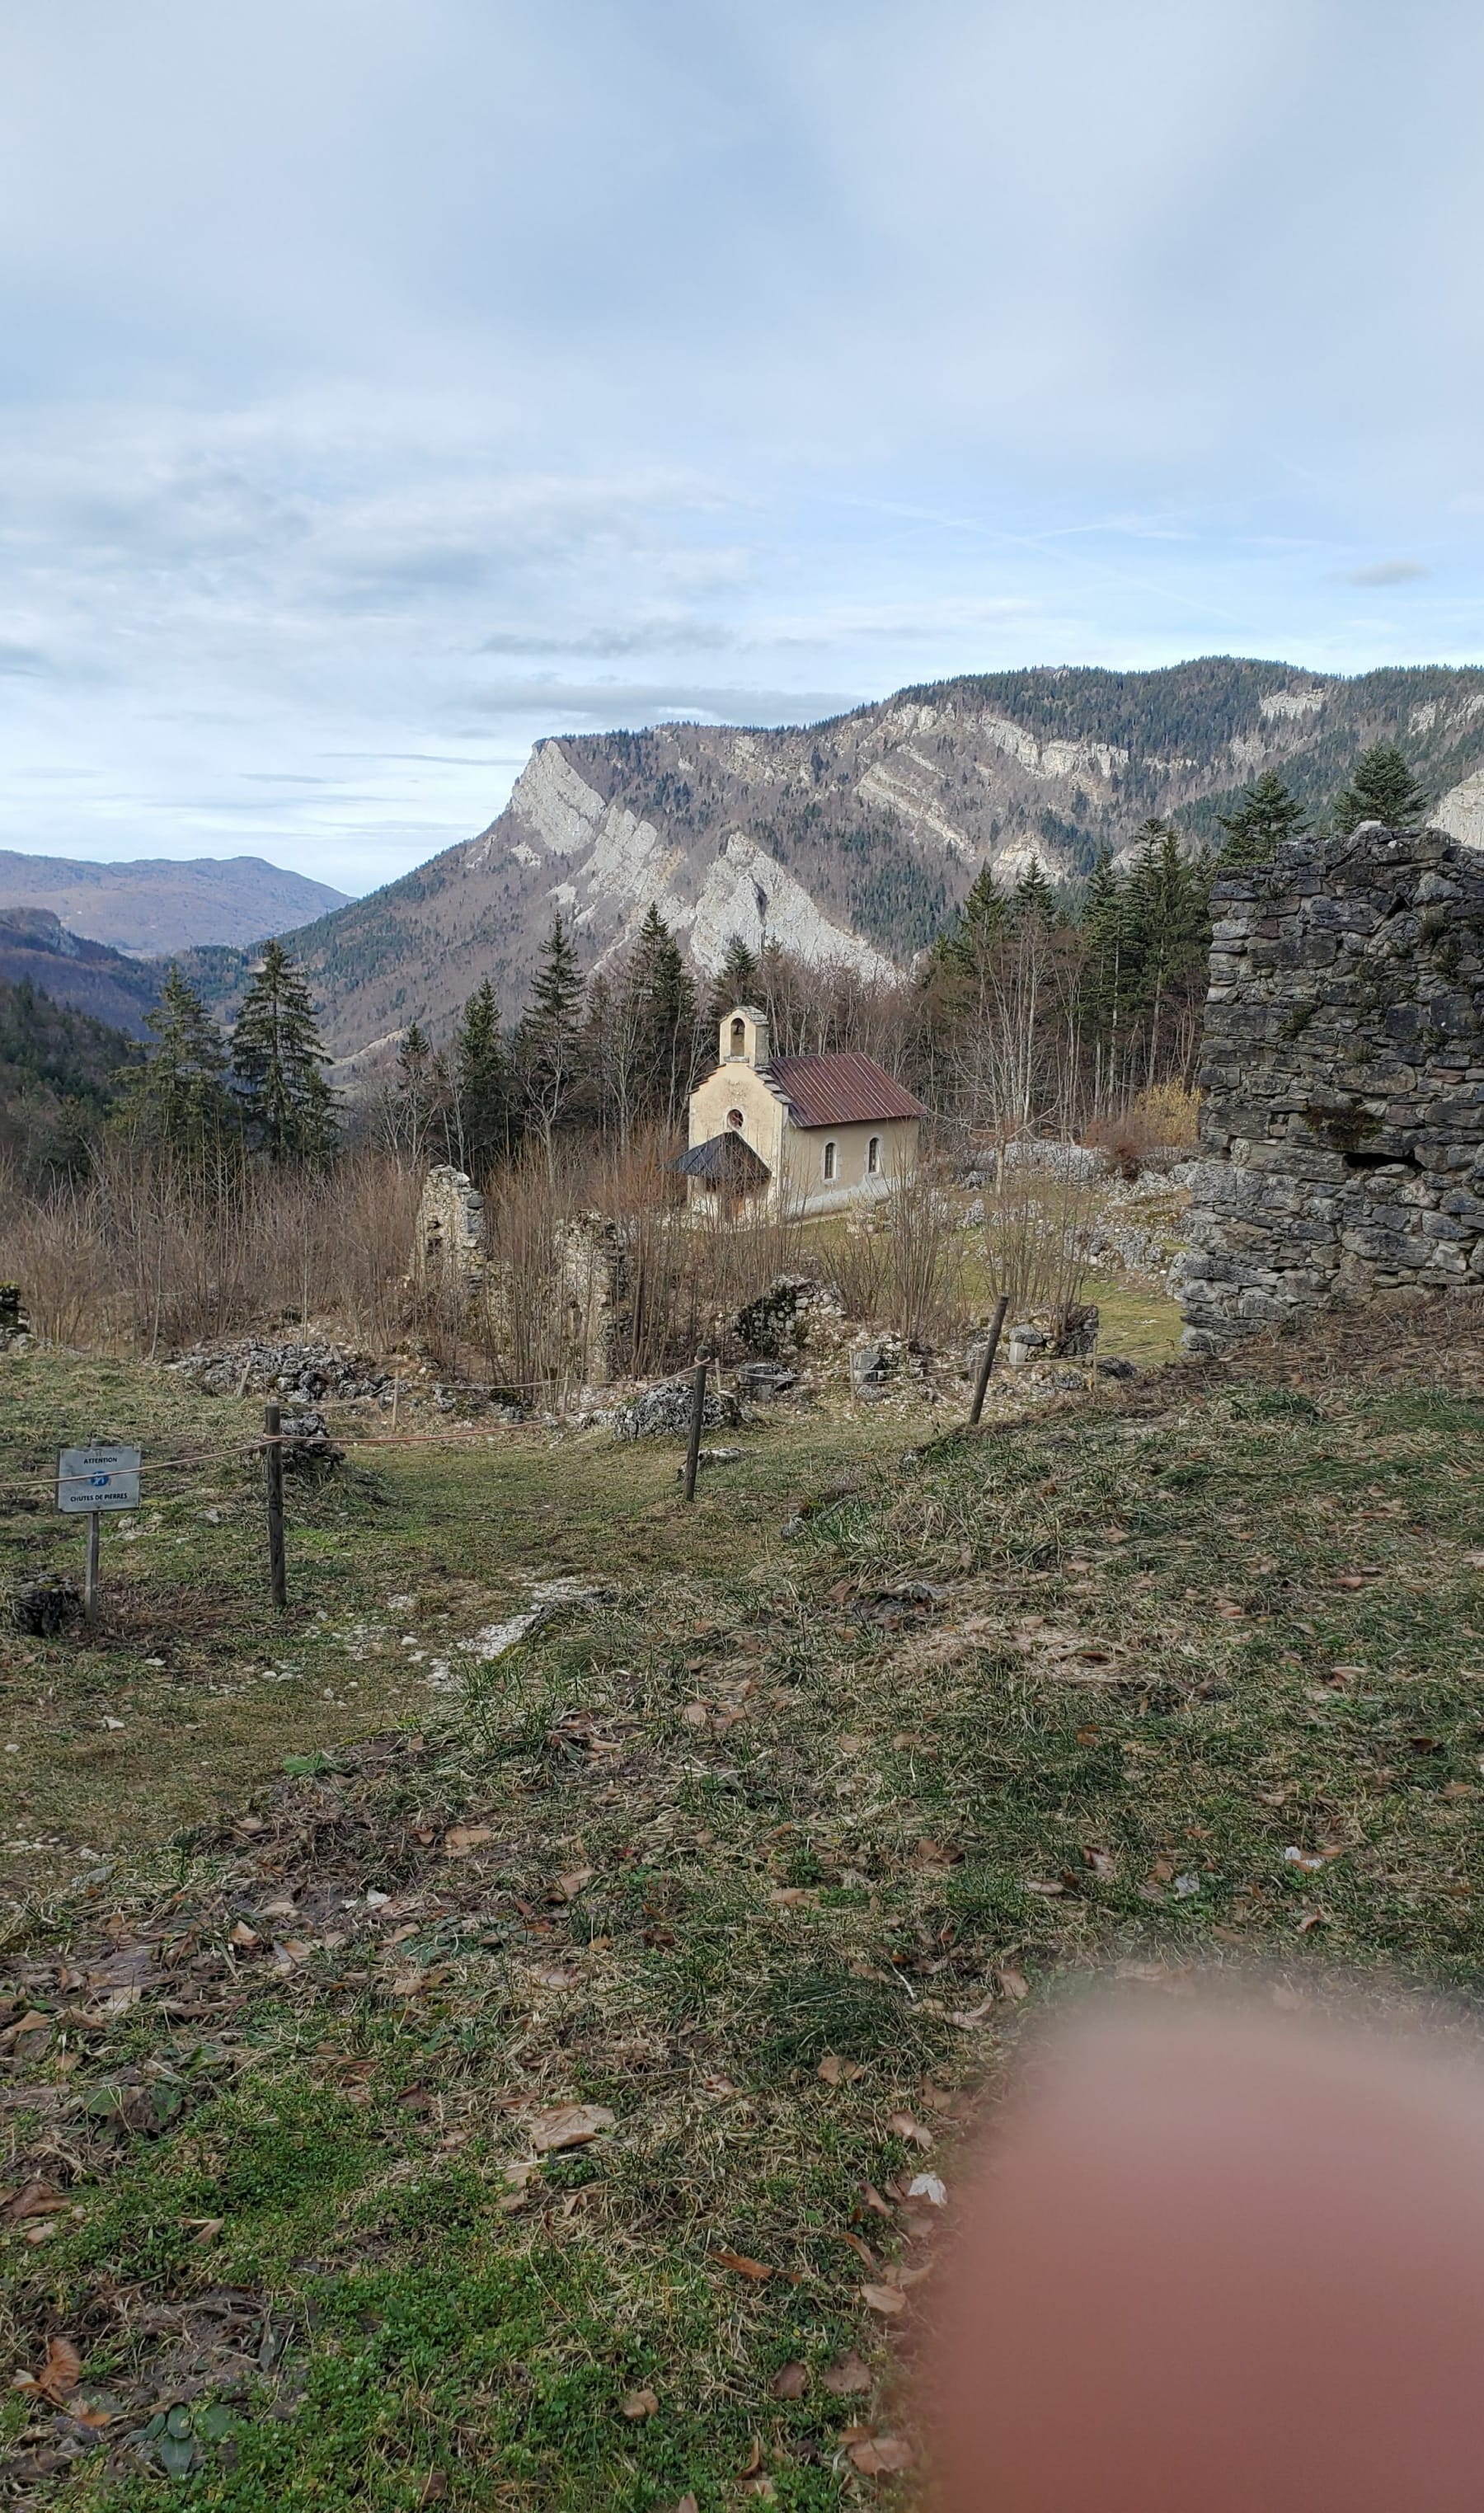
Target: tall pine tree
pixel 548 1044
pixel 736 979
pixel 1033 901
pixel 659 1005
pixel 1169 929
pixel 178 1100
pixel 286 1102
pixel 982 920
pixel 1266 814
pixel 1381 787
pixel 482 1082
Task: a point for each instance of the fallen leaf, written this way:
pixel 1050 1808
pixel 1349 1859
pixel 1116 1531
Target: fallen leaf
pixel 1349 1579
pixel 243 1936
pixel 753 2462
pixel 879 2454
pixel 695 1714
pixel 460 1838
pixel 36 2199
pixel 90 2416
pixel 887 2299
pixel 1037 1884
pixel 61 2373
pixel 207 2227
pixel 926 2185
pixel 41 2233
pixel 790 2382
pixel 739 2262
pixel 570 1887
pixel 568 2125
pixel 863 2251
pixel 873 2200
pixel 902 2125
pixel 1102 1863
pixel 638 2404
pixel 846 2376
pixel 687 2504
pixel 1012 1983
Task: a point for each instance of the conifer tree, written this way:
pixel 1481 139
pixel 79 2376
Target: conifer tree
pixel 1169 925
pixel 1381 787
pixel 736 979
pixel 550 1059
pixel 1266 814
pixel 482 1082
pixel 286 1102
pixel 1033 901
pixel 1111 968
pixel 178 1100
pixel 983 919
pixel 661 1008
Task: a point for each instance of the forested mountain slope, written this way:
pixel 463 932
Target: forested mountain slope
pixel 58 1078
pixel 157 905
pixel 856 838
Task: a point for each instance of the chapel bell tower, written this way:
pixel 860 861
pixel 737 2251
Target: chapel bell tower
pixel 744 1036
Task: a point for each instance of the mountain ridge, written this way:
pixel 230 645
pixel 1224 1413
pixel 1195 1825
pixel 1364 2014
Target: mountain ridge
pixel 155 906
pixel 856 838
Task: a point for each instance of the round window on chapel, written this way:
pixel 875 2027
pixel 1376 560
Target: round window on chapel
pixel 734 1116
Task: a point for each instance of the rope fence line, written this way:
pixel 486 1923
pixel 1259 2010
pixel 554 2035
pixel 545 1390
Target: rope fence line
pixel 274 1439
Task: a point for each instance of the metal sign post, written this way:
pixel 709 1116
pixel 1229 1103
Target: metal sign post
pixel 89 1482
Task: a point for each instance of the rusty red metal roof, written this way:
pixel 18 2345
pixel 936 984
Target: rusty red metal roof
pixel 839 1089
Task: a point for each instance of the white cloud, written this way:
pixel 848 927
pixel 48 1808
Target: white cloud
pixel 376 376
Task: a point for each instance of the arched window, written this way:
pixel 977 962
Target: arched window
pixel 734 1116
pixel 874 1156
pixel 831 1160
pixel 739 1035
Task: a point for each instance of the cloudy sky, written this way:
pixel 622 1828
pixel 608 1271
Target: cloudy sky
pixel 387 383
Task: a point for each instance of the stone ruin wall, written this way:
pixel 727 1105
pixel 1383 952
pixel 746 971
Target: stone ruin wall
pixel 1342 1083
pixel 591 1271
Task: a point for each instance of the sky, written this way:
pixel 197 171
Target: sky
pixel 388 384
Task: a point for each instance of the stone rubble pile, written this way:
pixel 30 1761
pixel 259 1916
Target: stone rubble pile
pixel 298 1373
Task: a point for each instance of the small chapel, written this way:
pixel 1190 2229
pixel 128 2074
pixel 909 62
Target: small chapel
pixel 770 1135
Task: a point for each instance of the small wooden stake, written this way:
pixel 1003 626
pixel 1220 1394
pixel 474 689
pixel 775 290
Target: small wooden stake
pixel 272 1458
pixel 987 1358
pixel 698 1418
pixel 90 1576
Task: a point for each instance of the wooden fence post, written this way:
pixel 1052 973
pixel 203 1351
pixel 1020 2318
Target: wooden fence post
pixel 698 1418
pixel 986 1357
pixel 272 1458
pixel 90 1575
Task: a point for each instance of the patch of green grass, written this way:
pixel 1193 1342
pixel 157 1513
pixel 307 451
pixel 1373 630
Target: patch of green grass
pixel 1190 1675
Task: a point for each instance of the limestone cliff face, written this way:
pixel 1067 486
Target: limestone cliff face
pixel 853 841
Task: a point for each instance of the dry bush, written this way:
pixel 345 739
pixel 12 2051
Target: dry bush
pixel 148 1255
pixel 1165 1118
pixel 903 1268
pixel 1038 1241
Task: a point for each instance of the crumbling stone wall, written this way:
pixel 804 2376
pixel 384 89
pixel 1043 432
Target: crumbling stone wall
pixel 451 1232
pixel 1343 1081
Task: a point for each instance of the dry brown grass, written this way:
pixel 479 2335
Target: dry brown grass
pixel 145 1257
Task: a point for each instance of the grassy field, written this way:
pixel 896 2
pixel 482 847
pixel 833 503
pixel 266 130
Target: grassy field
pixel 532 2081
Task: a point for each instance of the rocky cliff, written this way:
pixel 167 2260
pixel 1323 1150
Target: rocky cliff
pixel 854 839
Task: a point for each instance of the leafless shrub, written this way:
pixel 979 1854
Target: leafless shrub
pixel 901 1266
pixel 1038 1240
pixel 145 1255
